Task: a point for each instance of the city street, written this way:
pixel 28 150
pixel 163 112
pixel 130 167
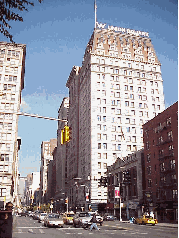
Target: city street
pixel 26 227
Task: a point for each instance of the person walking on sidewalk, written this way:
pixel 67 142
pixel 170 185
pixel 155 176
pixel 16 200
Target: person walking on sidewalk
pixel 93 220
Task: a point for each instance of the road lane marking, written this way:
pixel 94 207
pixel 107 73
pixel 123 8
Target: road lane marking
pixel 28 227
pixel 31 231
pixel 41 231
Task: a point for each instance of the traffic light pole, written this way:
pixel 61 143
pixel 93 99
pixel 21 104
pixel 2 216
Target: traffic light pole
pixel 120 202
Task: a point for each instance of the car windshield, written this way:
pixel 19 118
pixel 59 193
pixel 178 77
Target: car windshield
pixel 70 215
pixel 84 215
pixel 53 216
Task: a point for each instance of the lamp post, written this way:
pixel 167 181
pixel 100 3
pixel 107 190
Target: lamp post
pixel 87 197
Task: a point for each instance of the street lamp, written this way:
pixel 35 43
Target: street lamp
pixel 87 196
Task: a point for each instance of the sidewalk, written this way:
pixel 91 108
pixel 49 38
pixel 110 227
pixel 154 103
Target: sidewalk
pixel 173 225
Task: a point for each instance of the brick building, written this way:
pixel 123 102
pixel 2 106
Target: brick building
pixel 161 163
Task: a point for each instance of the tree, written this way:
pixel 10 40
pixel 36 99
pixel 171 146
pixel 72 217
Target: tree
pixel 7 13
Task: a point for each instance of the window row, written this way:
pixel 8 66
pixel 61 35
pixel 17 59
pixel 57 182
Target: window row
pixel 102 165
pixel 5 136
pixel 6 116
pixel 5 126
pixel 4 157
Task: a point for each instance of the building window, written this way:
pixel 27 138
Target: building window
pixel 104 155
pixel 133 138
pixel 127 120
pixel 99 127
pixel 162 167
pixel 148 158
pixel 132 121
pixel 170 136
pixel 147 145
pixel 127 103
pixel 99 165
pixel 131 96
pixel 149 183
pixel 168 121
pixel 105 146
pixel 128 129
pixel 118 102
pixel 149 170
pixel 99 118
pixel 172 164
pixel 126 87
pixel 98 136
pixel 99 155
pixel 99 145
pixel 175 194
pixel 2 192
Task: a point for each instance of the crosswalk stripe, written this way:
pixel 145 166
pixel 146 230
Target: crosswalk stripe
pixel 41 231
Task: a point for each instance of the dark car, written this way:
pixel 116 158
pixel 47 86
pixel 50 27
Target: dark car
pixel 23 214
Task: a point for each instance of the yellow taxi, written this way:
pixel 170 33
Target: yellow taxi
pixel 146 220
pixel 68 217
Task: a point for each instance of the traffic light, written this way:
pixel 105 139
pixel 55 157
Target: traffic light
pixel 62 137
pixel 67 133
pixel 66 201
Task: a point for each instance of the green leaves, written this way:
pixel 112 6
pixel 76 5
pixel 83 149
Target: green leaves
pixel 7 8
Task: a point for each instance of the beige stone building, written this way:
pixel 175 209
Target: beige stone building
pixel 119 88
pixel 12 68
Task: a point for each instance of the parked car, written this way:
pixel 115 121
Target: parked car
pixel 53 220
pixel 98 217
pixel 146 220
pixel 68 217
pixel 81 219
pixel 42 216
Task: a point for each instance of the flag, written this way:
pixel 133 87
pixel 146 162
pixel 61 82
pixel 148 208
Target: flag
pixel 95 6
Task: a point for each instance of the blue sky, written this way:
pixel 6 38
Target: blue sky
pixel 56 33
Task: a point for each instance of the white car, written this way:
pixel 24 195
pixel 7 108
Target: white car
pixel 53 220
pixel 99 219
pixel 41 217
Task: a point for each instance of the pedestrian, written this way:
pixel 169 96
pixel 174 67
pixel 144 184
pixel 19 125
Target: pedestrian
pixel 93 220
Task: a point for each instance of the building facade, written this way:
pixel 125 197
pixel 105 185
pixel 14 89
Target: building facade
pixel 73 147
pixel 61 162
pixel 126 175
pixel 120 88
pixel 161 164
pixel 47 148
pixel 12 68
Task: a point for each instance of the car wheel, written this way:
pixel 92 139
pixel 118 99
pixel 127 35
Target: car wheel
pixel 100 223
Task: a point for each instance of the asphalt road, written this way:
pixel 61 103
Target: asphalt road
pixel 26 227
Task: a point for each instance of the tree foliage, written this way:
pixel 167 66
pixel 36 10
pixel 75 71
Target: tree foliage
pixel 8 9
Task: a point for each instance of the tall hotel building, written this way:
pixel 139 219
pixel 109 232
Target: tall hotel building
pixel 12 68
pixel 120 88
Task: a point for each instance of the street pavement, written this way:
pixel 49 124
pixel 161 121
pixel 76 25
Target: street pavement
pixel 26 227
